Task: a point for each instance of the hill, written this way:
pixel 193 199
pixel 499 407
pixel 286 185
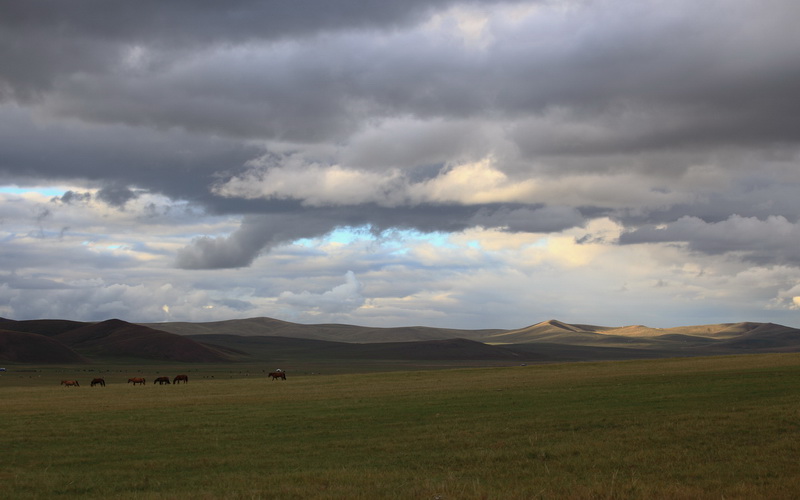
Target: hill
pixel 765 337
pixel 700 339
pixel 112 338
pixel 258 339
pixel 286 347
pixel 334 332
pixel 557 332
pixel 48 327
pixel 23 347
pixel 117 338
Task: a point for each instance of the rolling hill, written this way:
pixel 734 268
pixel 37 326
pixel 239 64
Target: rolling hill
pixel 117 338
pixel 24 347
pixel 444 349
pixel 257 339
pixel 704 339
pixel 108 339
pixel 334 332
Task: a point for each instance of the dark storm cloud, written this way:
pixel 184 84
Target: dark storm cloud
pixel 651 79
pixel 116 196
pixel 693 77
pixel 241 247
pixel 70 197
pixel 201 20
pixel 171 97
pixel 171 162
pixel 44 38
pixel 529 219
pixel 771 240
pixel 259 233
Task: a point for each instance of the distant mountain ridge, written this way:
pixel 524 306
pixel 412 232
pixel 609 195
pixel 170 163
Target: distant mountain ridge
pixel 326 331
pixel 71 342
pixel 60 341
pixel 720 337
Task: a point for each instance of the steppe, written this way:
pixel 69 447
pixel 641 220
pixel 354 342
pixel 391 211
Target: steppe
pixel 550 411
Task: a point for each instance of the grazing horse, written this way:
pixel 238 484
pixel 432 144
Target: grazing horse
pixel 161 381
pixel 181 378
pixel 277 375
pixel 98 381
pixel 136 380
pixel 70 383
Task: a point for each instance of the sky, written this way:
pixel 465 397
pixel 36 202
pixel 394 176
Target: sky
pixel 446 163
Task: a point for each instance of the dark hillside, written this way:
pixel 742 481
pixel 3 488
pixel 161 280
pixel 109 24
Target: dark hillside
pixel 22 347
pixel 48 327
pixel 766 336
pixel 351 333
pixel 444 350
pixel 118 338
pixel 266 347
pixel 242 327
pixel 333 332
pixel 440 350
pixel 687 339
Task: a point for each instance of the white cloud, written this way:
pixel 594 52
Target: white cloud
pixel 471 183
pixel 343 298
pixel 492 155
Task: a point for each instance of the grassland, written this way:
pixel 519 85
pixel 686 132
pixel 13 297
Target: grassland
pixel 721 427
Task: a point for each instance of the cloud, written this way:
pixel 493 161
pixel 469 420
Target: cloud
pixel 343 298
pixel 767 240
pixel 73 197
pixel 117 196
pixel 522 143
pixel 533 220
pixel 255 234
pixel 468 184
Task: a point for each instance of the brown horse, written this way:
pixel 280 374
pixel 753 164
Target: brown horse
pixel 98 381
pixel 161 381
pixel 136 380
pixel 277 375
pixel 70 383
pixel 181 378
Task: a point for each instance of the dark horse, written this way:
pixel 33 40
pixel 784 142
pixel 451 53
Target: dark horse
pixel 181 378
pixel 277 375
pixel 136 380
pixel 70 383
pixel 161 381
pixel 98 381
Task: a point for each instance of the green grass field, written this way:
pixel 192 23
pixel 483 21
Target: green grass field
pixel 723 427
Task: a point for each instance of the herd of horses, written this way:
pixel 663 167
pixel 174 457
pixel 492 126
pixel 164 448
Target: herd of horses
pixel 280 374
pixel 165 380
pixel 133 380
pixel 160 380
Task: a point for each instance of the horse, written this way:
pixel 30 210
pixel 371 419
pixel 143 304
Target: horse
pixel 161 381
pixel 98 381
pixel 70 383
pixel 136 380
pixel 181 378
pixel 277 375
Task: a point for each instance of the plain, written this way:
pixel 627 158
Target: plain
pixel 717 427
